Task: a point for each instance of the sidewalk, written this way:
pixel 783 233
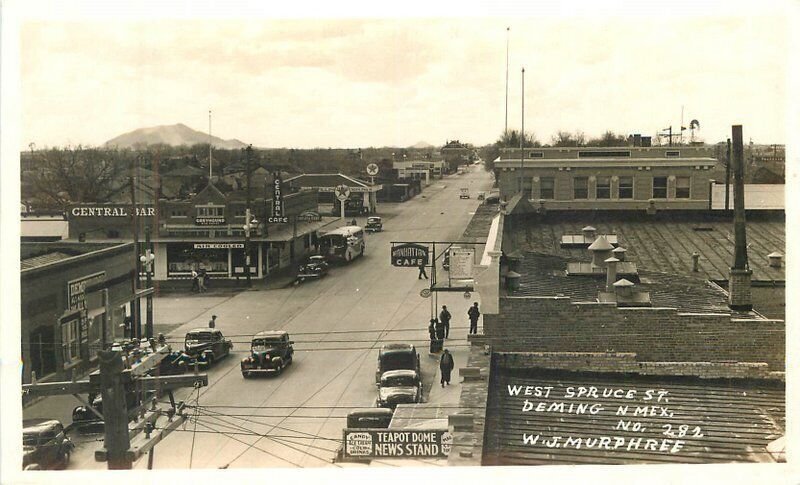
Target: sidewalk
pixel 449 395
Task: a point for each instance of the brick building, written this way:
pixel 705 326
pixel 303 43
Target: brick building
pixel 658 178
pixel 73 300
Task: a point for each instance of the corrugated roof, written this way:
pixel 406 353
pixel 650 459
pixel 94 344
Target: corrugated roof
pixel 725 421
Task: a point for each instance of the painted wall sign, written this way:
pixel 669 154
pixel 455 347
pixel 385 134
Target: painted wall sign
pixel 352 189
pixel 309 216
pixel 386 443
pixel 76 296
pixel 409 255
pixel 111 211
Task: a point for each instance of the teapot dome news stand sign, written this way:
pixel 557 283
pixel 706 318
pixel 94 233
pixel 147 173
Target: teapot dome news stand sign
pixel 397 443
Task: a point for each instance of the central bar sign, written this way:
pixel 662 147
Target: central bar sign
pixel 386 443
pixel 409 255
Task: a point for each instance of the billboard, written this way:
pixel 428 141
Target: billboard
pixel 387 443
pixel 461 261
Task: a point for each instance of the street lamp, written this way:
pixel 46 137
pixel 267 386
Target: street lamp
pixel 147 262
pixel 248 225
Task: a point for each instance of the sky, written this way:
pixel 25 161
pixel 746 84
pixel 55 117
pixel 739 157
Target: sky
pixel 359 82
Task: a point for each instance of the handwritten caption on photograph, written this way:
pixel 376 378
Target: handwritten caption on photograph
pixel 630 409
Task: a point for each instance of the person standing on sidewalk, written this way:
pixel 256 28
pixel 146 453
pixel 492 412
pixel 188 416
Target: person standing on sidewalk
pixel 195 283
pixel 473 313
pixel 444 317
pixel 446 365
pixel 213 322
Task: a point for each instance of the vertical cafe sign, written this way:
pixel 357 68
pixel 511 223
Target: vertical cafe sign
pixel 278 214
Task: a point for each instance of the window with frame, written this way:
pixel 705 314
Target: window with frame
pixel 682 187
pixel 547 186
pixel 580 188
pixel 659 187
pixel 603 187
pixel 626 187
pixel 210 211
pixel 69 340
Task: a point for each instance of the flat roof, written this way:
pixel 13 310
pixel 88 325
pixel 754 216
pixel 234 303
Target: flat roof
pixel 756 196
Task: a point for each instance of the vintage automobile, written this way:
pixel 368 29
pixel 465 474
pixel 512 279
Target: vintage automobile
pixel 85 421
pixel 45 445
pixel 399 387
pixel 270 352
pixel 175 363
pixel 370 418
pixel 374 224
pixel 464 194
pixel 206 345
pixel 315 267
pixel 396 357
pixel 481 195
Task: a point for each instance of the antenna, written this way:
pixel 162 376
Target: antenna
pixel 209 146
pixel 508 35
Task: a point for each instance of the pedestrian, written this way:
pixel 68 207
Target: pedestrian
pixel 206 280
pixel 422 273
pixel 444 317
pixel 432 329
pixel 354 222
pixel 436 344
pixel 473 313
pixel 439 326
pixel 213 322
pixel 201 281
pixel 446 365
pixel 195 284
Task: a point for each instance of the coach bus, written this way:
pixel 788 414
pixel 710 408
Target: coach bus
pixel 342 244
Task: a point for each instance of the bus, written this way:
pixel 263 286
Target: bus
pixel 342 244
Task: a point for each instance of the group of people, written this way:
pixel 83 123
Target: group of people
pixel 200 280
pixel 439 330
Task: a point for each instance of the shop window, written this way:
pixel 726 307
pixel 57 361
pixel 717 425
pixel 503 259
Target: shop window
pixel 581 188
pixel 659 187
pixel 210 211
pixel 178 213
pixel 69 340
pixel 626 187
pixel 682 187
pixel 547 188
pixel 603 187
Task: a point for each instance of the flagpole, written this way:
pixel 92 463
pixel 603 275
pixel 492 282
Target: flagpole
pixel 522 138
pixel 209 146
pixel 508 34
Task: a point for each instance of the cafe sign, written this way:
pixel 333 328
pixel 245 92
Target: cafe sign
pixel 278 216
pixel 409 255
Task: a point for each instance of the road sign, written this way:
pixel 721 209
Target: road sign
pixel 425 293
pixel 397 443
pixel 409 255
pixel 372 169
pixel 342 192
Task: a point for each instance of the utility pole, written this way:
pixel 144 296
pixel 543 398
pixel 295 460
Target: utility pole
pixel 247 151
pixel 136 322
pixel 116 378
pixel 728 176
pixel 508 35
pixel 522 138
pixel 209 146
pixel 148 267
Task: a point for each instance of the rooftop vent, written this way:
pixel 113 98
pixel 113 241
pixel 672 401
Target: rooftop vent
pixel 775 259
pixel 619 253
pixel 601 250
pixel 589 232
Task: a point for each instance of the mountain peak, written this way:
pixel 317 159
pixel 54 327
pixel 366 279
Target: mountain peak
pixel 173 135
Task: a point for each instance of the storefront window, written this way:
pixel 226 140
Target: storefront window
pixel 182 258
pixel 237 258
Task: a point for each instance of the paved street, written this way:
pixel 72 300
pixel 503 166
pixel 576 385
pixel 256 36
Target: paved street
pixel 337 324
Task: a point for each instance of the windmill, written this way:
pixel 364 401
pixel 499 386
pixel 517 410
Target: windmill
pixel 693 125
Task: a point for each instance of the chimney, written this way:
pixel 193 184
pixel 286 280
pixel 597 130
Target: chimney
pixel 589 233
pixel 637 140
pixel 611 273
pixel 601 250
pixel 623 288
pixel 619 253
pixel 775 259
pixel 739 296
pixel 695 261
pixel 647 141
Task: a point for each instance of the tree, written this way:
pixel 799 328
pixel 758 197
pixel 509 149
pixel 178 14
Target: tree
pixel 609 139
pixel 567 139
pixel 509 139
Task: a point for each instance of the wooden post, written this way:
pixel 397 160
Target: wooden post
pixel 115 411
pixel 728 162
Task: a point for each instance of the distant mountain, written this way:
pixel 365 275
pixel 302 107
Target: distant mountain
pixel 174 135
pixel 422 144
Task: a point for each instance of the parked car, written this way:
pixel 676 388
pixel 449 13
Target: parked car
pixel 370 418
pixel 315 267
pixel 45 445
pixel 206 345
pixel 270 352
pixel 399 387
pixel 374 224
pixel 464 193
pixel 86 421
pixel 396 357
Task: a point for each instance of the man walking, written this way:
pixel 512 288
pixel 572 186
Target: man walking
pixel 473 313
pixel 213 322
pixel 446 367
pixel 422 273
pixel 195 283
pixel 444 317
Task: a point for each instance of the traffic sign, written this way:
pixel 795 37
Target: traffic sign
pixel 342 192
pixel 425 293
pixel 372 169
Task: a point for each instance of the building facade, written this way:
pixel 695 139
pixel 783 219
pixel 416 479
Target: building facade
pixel 655 178
pixel 362 199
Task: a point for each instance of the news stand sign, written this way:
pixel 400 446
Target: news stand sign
pixel 385 443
